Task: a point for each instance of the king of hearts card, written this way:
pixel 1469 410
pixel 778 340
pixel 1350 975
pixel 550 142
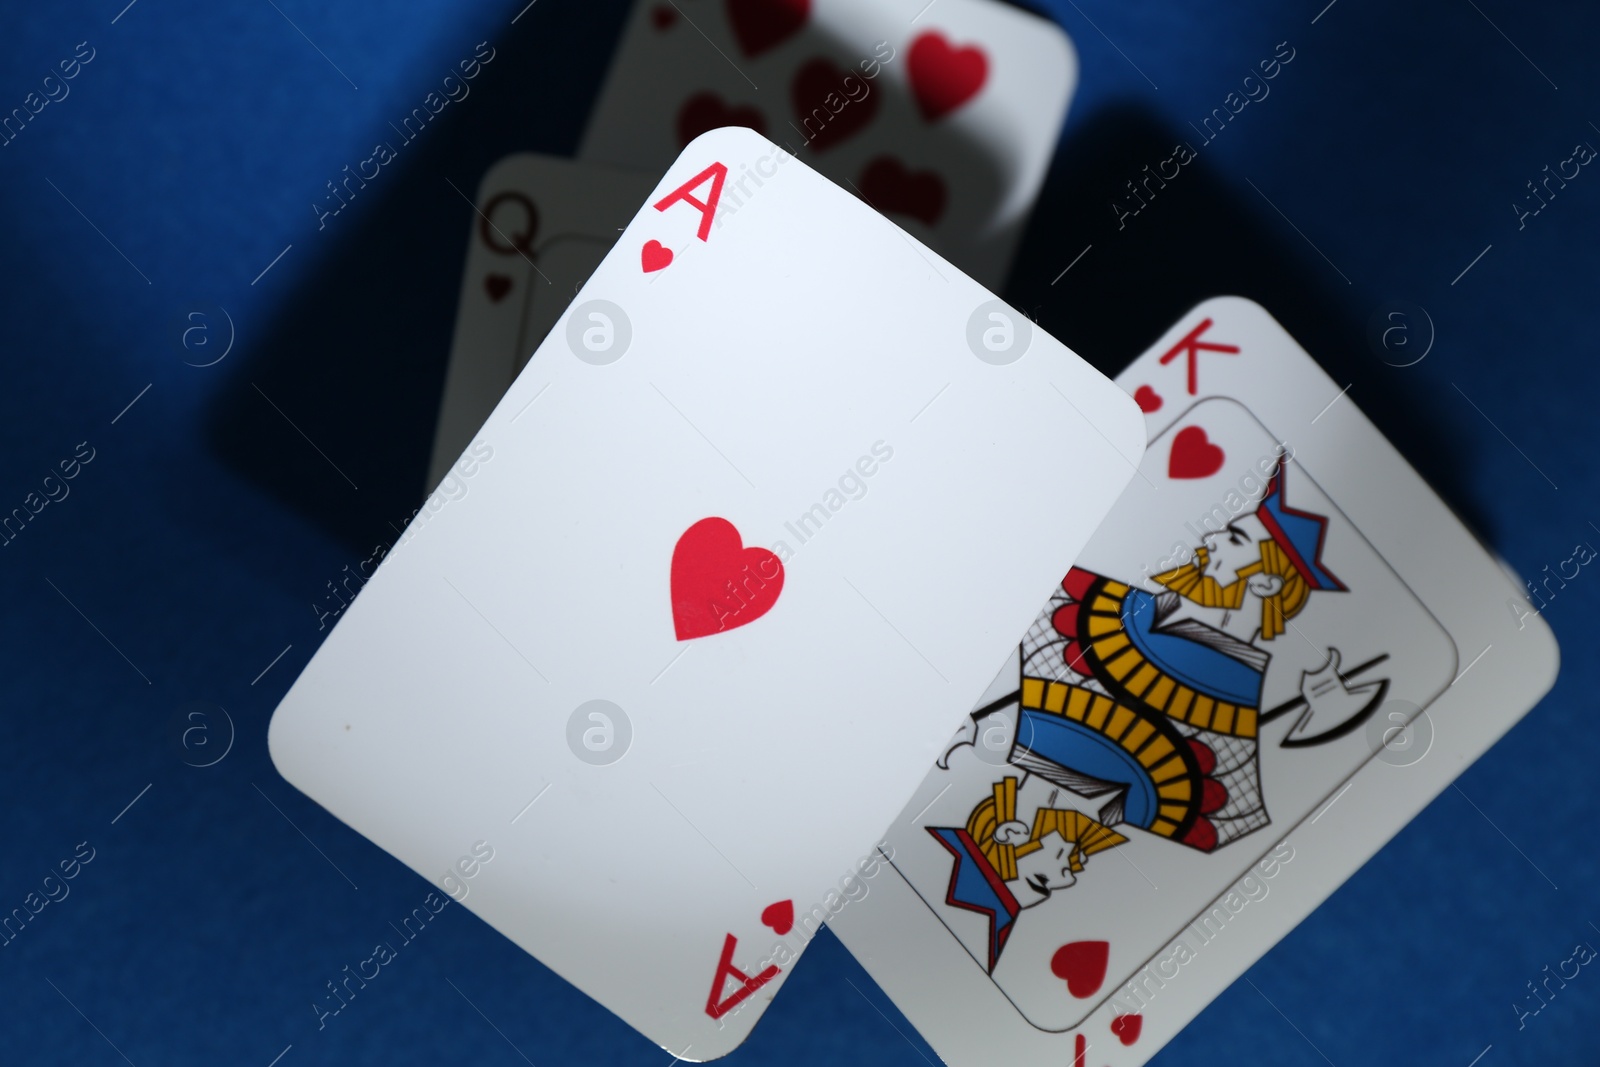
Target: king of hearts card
pixel 1275 599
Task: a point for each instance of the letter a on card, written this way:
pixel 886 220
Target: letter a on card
pixel 716 1006
pixel 716 174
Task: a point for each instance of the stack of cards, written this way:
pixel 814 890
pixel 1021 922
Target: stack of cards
pixel 943 117
pixel 784 481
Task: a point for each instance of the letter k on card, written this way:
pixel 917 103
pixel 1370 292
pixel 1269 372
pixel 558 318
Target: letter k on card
pixel 1192 346
pixel 655 256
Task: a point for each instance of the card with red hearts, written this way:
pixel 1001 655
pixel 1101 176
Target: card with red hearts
pixel 942 116
pixel 1249 680
pixel 727 541
pixel 539 226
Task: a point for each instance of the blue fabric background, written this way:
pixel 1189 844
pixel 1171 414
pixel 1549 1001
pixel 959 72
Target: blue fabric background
pixel 196 141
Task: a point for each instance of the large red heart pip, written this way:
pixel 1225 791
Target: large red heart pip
pixel 890 186
pixel 1082 965
pixel 762 25
pixel 815 83
pixel 708 111
pixel 1193 455
pixel 717 583
pixel 944 77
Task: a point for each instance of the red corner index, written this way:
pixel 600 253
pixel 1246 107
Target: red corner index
pixel 1193 346
pixel 725 969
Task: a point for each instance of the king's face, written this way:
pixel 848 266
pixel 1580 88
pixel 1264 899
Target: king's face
pixel 1046 869
pixel 1234 549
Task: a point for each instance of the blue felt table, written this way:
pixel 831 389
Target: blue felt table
pixel 174 575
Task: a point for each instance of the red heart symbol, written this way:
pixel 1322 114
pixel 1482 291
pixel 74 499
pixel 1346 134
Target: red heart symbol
pixel 888 185
pixel 814 84
pixel 663 16
pixel 717 583
pixel 707 111
pixel 1193 455
pixel 761 25
pixel 1148 399
pixel 1127 1027
pixel 655 256
pixel 497 286
pixel 1082 965
pixel 944 77
pixel 779 916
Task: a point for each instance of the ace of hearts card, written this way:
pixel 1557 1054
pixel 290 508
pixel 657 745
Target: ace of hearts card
pixel 1251 678
pixel 727 535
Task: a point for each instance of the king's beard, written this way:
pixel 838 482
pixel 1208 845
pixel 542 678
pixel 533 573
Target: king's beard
pixel 1192 583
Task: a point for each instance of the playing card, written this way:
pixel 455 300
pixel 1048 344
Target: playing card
pixel 944 117
pixel 540 226
pixel 685 625
pixel 1273 621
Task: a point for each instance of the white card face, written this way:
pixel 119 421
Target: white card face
pixel 1274 598
pixel 745 494
pixel 944 117
pixel 540 227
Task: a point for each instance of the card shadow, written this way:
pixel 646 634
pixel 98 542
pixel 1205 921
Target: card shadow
pixel 333 412
pixel 1193 239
